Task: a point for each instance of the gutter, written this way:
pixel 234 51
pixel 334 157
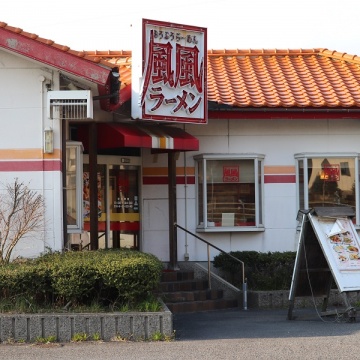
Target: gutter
pixel 230 112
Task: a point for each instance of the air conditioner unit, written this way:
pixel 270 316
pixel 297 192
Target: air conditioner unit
pixel 70 104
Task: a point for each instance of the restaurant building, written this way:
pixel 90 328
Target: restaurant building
pixel 251 137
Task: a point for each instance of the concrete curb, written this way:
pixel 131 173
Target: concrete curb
pixel 107 326
pixel 280 299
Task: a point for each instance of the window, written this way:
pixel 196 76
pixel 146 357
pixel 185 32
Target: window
pixel 74 188
pixel 328 180
pixel 229 192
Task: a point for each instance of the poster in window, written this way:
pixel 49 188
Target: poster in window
pixel 330 172
pixel 86 194
pixel 231 174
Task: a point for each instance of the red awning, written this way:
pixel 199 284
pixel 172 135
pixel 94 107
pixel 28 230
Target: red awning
pixel 159 137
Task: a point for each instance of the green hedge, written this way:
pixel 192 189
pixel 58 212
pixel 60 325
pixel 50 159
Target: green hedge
pixel 263 271
pixel 105 276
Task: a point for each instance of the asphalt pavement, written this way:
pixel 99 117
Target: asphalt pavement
pixel 226 334
pixel 247 324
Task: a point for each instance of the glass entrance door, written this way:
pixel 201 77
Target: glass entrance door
pixel 118 205
pixel 124 207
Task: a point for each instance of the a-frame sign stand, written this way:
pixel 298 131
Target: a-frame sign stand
pixel 328 251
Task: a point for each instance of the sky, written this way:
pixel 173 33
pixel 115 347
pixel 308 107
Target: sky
pixel 231 24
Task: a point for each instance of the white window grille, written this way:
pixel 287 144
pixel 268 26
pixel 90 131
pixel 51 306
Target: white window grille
pixel 70 104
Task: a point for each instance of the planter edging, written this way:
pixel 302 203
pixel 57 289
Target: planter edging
pixel 106 326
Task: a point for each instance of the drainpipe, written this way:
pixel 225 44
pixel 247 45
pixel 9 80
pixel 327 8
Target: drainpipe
pixel 42 80
pixel 63 124
pixel 186 255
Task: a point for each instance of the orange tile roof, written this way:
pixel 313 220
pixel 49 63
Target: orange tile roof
pixel 313 78
pixel 52 43
pixel 94 69
pixel 284 78
pixel 299 78
pixel 121 58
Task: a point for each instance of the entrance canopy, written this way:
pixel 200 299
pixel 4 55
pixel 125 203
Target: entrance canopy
pixel 159 137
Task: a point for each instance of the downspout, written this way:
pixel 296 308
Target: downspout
pixel 42 80
pixel 64 192
pixel 186 255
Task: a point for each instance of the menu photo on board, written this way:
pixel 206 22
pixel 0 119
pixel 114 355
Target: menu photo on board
pixel 344 244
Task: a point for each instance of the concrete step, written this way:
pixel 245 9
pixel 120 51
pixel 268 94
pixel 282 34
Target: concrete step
pixel 198 306
pixel 172 275
pixel 187 285
pixel 181 292
pixel 199 295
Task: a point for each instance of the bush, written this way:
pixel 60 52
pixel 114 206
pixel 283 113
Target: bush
pixel 263 271
pixel 106 276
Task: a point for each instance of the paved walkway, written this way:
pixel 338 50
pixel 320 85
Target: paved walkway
pixel 223 335
pixel 244 324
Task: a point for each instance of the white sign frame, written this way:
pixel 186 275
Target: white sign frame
pixel 173 77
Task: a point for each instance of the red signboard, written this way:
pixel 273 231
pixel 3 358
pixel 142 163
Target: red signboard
pixel 174 86
pixel 231 174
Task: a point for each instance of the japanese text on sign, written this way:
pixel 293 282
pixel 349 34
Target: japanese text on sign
pixel 174 87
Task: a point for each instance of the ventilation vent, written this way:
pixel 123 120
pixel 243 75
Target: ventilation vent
pixel 70 104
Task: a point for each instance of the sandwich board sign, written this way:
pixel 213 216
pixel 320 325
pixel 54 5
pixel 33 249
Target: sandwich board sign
pixel 328 251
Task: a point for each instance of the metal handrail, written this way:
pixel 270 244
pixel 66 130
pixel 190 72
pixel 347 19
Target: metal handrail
pixel 244 284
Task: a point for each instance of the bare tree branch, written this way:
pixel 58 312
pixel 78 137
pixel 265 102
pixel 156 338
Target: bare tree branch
pixel 21 213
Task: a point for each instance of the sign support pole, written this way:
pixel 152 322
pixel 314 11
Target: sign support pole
pixel 172 211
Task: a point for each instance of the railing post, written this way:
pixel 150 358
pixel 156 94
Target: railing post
pixel 244 288
pixel 244 283
pixel 208 257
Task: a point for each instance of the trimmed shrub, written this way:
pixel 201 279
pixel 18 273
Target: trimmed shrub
pixel 106 276
pixel 263 271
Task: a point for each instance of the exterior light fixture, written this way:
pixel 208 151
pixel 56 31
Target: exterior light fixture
pixel 48 140
pixel 114 85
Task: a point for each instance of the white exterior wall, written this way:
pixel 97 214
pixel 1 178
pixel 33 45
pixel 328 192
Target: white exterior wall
pixel 279 140
pixel 155 211
pixel 23 116
pixel 23 119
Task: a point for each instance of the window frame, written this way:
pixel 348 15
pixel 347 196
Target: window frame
pixel 258 160
pixel 310 155
pixel 76 228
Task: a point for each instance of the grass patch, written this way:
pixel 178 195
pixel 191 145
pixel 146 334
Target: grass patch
pixel 22 305
pixel 78 337
pixel 46 340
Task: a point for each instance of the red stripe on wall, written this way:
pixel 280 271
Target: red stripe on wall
pixel 160 180
pixel 50 165
pixel 116 226
pixel 180 180
pixel 279 179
